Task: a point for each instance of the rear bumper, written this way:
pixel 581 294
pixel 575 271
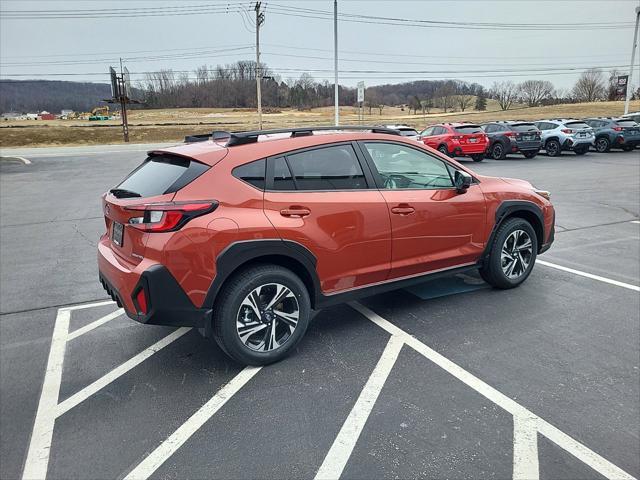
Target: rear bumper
pixel 572 143
pixel 470 149
pixel 167 302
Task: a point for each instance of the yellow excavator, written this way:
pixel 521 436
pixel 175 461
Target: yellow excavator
pixel 100 113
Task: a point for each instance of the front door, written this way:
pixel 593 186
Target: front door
pixel 433 226
pixel 321 198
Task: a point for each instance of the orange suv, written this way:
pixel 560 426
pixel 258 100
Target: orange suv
pixel 242 235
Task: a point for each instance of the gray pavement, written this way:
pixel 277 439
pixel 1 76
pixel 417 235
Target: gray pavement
pixel 564 347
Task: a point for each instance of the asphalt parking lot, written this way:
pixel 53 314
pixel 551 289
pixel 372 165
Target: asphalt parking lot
pixel 445 380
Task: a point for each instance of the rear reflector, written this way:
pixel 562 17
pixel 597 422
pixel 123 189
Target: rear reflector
pixel 141 300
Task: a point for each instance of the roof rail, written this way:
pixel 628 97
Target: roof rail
pixel 243 138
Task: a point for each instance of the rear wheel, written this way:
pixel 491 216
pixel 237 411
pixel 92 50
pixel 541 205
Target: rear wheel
pixel 261 314
pixel 628 148
pixel 498 151
pixel 512 255
pixel 553 148
pixel 444 150
pixel 581 150
pixel 531 154
pixel 478 158
pixel 603 145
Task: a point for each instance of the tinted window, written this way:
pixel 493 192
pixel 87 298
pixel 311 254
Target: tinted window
pixel 489 128
pixel 576 125
pixel 407 132
pixel 404 167
pixel 252 173
pixel 427 132
pixel 327 168
pixel 523 127
pixel 468 129
pixel 626 123
pixel 438 131
pixel 282 179
pixel 162 174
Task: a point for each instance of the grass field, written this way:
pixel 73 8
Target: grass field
pixel 171 125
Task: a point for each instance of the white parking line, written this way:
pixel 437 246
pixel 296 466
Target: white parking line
pixel 96 324
pixel 610 281
pixel 589 457
pixel 117 372
pixel 343 445
pixel 525 449
pixel 151 463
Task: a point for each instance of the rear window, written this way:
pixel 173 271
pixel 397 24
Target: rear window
pixel 253 173
pixel 523 127
pixel 626 123
pixel 468 129
pixel 577 125
pixel 407 132
pixel 159 175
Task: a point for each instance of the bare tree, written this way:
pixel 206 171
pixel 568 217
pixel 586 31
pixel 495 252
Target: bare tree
pixel 464 97
pixel 590 86
pixel 612 86
pixel 445 96
pixel 533 92
pixel 505 93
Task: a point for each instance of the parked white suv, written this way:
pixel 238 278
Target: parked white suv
pixel 405 130
pixel 560 134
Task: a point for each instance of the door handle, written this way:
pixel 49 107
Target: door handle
pixel 295 212
pixel 403 210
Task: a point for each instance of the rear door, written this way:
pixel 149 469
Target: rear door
pixel 324 198
pixel 433 226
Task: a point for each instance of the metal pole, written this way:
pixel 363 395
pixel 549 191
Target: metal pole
pixel 335 66
pixel 259 19
pixel 123 105
pixel 633 57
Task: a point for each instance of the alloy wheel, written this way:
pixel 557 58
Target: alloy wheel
pixel 496 153
pixel 516 254
pixel 602 144
pixel 552 149
pixel 267 317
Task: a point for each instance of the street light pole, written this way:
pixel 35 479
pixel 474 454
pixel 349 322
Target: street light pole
pixel 335 66
pixel 633 57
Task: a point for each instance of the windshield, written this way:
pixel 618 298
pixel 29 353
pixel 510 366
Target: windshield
pixel 577 125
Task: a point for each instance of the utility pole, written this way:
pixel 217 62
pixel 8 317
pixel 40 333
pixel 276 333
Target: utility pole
pixel 123 104
pixel 633 57
pixel 335 65
pixel 259 22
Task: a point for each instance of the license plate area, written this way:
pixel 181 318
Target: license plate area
pixel 528 138
pixel 473 140
pixel 117 233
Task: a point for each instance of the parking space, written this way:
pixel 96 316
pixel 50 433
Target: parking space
pixel 450 379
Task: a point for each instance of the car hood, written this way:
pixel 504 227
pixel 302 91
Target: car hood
pixel 517 182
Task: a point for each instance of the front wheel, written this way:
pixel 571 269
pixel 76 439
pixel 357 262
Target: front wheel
pixel 261 314
pixel 553 148
pixel 478 158
pixel 530 154
pixel 628 148
pixel 581 150
pixel 498 152
pixel 444 150
pixel 512 255
pixel 603 145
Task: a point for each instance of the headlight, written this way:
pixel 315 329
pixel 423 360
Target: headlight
pixel 543 193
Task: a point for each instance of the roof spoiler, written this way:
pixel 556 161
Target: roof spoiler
pixel 243 138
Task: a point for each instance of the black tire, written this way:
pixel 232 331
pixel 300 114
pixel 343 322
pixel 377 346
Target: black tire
pixel 553 148
pixel 581 150
pixel 603 145
pixel 444 150
pixel 628 148
pixel 498 152
pixel 228 310
pixel 530 154
pixel 478 158
pixel 492 271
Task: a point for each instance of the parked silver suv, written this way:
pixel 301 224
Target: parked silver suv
pixel 560 134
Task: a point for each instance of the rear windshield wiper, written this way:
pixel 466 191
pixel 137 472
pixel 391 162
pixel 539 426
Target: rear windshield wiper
pixel 124 193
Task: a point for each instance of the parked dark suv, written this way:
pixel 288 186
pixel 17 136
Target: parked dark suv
pixel 611 133
pixel 242 235
pixel 512 137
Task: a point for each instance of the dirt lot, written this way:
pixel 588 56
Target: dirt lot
pixel 173 124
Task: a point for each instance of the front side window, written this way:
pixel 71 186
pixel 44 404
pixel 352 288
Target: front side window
pixel 327 168
pixel 428 132
pixel 403 167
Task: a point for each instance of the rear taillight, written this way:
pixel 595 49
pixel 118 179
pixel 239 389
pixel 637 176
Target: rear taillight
pixel 511 134
pixel 456 137
pixel 617 129
pixel 168 217
pixel 141 302
pixel 567 130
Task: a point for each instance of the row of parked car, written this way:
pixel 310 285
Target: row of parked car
pixel 501 138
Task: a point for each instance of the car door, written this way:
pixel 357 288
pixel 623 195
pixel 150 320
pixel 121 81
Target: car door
pixel 324 199
pixel 490 130
pixel 434 139
pixel 433 226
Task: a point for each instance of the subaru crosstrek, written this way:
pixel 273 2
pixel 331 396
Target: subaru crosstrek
pixel 565 134
pixel 456 140
pixel 242 235
pixel 623 133
pixel 512 137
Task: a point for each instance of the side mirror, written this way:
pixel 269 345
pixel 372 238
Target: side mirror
pixel 462 181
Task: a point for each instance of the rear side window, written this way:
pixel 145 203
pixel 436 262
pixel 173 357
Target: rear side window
pixel 523 127
pixel 253 173
pixel 159 175
pixel 468 129
pixel 327 168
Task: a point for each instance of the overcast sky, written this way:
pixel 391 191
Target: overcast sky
pixel 385 52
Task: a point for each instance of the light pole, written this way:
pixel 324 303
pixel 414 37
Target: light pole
pixel 633 57
pixel 335 60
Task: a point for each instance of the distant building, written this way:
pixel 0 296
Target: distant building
pixel 31 116
pixel 65 113
pixel 12 116
pixel 44 115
